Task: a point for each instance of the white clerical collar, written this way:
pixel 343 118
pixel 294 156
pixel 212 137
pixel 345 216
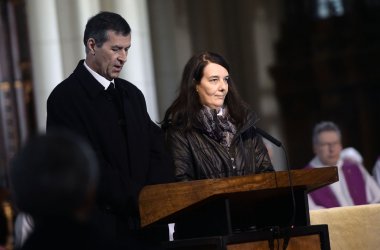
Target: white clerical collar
pixel 316 162
pixel 102 80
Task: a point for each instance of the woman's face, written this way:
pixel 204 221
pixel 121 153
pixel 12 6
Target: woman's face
pixel 213 86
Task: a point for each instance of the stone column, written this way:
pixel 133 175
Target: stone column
pixel 72 19
pixel 172 47
pixel 45 53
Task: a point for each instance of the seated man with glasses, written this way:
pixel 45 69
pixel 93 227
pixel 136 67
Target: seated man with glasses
pixel 355 186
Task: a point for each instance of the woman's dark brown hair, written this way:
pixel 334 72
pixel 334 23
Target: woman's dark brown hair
pixel 185 108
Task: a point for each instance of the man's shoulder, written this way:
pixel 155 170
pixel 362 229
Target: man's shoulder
pixel 67 85
pixel 75 81
pixel 130 89
pixel 307 166
pixel 315 163
pixel 127 84
pixel 73 77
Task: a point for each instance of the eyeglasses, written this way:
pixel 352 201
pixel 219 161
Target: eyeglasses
pixel 329 144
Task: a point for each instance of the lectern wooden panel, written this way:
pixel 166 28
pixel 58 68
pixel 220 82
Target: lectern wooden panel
pixel 231 206
pixel 161 202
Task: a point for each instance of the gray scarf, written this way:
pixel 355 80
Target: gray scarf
pixel 218 125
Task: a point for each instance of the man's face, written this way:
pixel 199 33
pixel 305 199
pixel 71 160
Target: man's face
pixel 108 60
pixel 328 148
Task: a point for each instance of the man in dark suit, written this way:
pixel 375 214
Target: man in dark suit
pixel 111 113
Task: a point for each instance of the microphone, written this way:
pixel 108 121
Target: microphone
pixel 279 144
pixel 268 137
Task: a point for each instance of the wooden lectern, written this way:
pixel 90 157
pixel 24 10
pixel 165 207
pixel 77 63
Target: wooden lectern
pixel 272 203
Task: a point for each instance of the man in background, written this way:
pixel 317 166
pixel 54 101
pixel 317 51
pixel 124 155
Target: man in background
pixel 355 186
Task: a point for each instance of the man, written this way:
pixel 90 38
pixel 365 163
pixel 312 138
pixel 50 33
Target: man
pixel 53 179
pixel 111 113
pixel 355 185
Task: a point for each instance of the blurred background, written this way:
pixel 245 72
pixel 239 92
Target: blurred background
pixel 296 62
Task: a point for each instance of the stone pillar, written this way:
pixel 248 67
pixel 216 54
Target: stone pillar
pixel 45 53
pixel 172 47
pixel 265 31
pixel 72 19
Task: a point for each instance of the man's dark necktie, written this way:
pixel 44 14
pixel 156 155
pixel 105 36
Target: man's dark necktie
pixel 111 90
pixel 114 94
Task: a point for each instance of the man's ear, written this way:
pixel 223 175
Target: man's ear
pixel 91 44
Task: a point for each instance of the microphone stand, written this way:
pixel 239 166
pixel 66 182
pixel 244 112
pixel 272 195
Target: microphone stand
pixel 279 144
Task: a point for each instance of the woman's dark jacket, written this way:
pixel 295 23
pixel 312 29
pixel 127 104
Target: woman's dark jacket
pixel 197 156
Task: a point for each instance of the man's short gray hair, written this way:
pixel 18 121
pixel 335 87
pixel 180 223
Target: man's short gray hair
pixel 325 126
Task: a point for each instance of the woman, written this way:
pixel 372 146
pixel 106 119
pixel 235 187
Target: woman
pixel 209 130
